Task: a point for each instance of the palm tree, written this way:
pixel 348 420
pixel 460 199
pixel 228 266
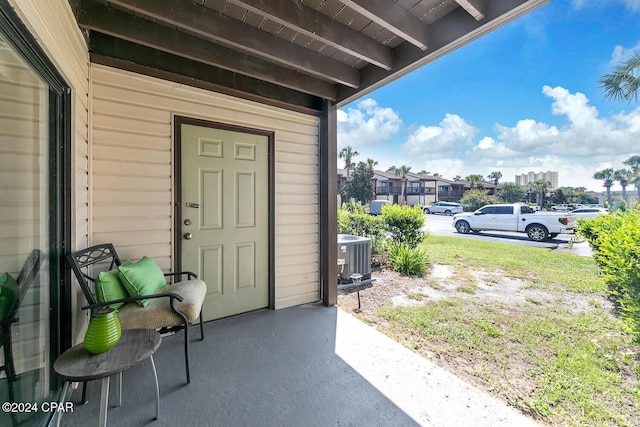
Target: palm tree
pixel 424 172
pixel 495 177
pixel 347 153
pixel 634 163
pixel 540 187
pixel 636 183
pixel 475 181
pixel 622 176
pixel 402 171
pixel 606 175
pixel 457 178
pixel 371 163
pixel 623 84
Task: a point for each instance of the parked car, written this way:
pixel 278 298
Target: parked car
pixel 375 207
pixel 447 208
pixel 589 212
pixel 539 226
pixel 563 207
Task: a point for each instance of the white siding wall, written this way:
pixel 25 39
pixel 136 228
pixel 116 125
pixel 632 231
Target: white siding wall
pixel 52 23
pixel 132 163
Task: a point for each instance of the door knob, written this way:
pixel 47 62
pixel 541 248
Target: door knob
pixel 188 236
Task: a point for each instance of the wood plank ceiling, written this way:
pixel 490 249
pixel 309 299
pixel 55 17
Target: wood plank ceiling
pixel 295 52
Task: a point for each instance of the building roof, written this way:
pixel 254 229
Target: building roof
pixel 377 174
pixel 294 52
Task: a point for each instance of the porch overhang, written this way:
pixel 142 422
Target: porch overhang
pixel 291 52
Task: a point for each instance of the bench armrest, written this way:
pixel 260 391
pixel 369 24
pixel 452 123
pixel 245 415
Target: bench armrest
pixel 129 299
pixel 190 274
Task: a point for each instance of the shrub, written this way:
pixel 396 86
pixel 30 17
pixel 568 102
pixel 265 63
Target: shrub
pixel 408 261
pixel 379 245
pixel 615 240
pixel 360 223
pixel 475 199
pixel 404 224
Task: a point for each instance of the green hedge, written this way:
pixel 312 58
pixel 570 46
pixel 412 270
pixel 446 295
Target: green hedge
pixel 404 223
pixel 615 240
pixel 359 223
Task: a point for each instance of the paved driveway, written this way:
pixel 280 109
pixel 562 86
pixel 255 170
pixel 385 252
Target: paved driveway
pixel 440 225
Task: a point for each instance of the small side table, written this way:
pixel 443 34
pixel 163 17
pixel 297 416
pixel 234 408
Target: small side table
pixel 78 365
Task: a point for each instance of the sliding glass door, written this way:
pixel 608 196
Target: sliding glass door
pixel 31 228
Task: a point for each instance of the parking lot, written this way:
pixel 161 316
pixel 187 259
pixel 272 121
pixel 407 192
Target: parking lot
pixel 442 225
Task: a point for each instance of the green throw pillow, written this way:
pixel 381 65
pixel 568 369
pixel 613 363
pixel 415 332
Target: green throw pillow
pixel 109 287
pixel 9 291
pixel 142 278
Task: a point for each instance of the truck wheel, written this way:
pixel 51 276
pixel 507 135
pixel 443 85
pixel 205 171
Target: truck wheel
pixel 427 211
pixel 537 232
pixel 447 212
pixel 463 227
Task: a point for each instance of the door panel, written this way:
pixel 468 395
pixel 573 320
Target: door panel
pixel 225 211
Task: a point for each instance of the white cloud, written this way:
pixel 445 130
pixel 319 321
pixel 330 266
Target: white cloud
pixel 452 134
pixel 486 143
pixel 367 124
pixel 621 53
pixel 585 144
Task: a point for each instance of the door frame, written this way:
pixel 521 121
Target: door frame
pixel 178 121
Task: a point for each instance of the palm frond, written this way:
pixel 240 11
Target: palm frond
pixel 623 84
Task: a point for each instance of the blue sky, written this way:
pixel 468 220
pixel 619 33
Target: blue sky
pixel 522 98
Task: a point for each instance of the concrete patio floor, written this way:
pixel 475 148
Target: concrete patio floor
pixel 302 366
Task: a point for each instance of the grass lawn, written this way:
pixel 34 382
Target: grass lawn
pixel 559 364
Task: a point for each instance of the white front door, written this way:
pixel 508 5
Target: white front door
pixel 224 225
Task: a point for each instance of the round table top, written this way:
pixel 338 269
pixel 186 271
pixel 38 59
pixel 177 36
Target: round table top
pixel 135 345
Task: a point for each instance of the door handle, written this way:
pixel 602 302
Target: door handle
pixel 188 236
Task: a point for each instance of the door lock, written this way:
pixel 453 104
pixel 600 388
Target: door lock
pixel 187 221
pixel 188 236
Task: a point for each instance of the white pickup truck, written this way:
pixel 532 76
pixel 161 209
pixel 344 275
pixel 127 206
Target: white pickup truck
pixel 539 226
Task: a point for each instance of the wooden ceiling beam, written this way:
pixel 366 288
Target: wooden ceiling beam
pixel 311 23
pixel 394 18
pixel 475 8
pixel 144 32
pixel 213 25
pixel 126 55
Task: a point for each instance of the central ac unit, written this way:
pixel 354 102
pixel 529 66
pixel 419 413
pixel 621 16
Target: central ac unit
pixel 354 257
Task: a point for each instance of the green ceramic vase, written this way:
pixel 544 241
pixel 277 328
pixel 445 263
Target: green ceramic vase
pixel 103 332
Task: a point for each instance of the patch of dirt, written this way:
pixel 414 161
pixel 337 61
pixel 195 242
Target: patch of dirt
pixel 443 283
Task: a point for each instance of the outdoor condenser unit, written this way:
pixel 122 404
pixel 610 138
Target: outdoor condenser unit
pixel 354 257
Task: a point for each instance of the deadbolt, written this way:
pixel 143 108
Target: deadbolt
pixel 187 221
pixel 188 236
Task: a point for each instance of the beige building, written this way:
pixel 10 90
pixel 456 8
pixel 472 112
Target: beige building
pixel 527 178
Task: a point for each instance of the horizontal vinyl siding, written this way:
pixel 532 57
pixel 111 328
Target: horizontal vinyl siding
pixel 132 164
